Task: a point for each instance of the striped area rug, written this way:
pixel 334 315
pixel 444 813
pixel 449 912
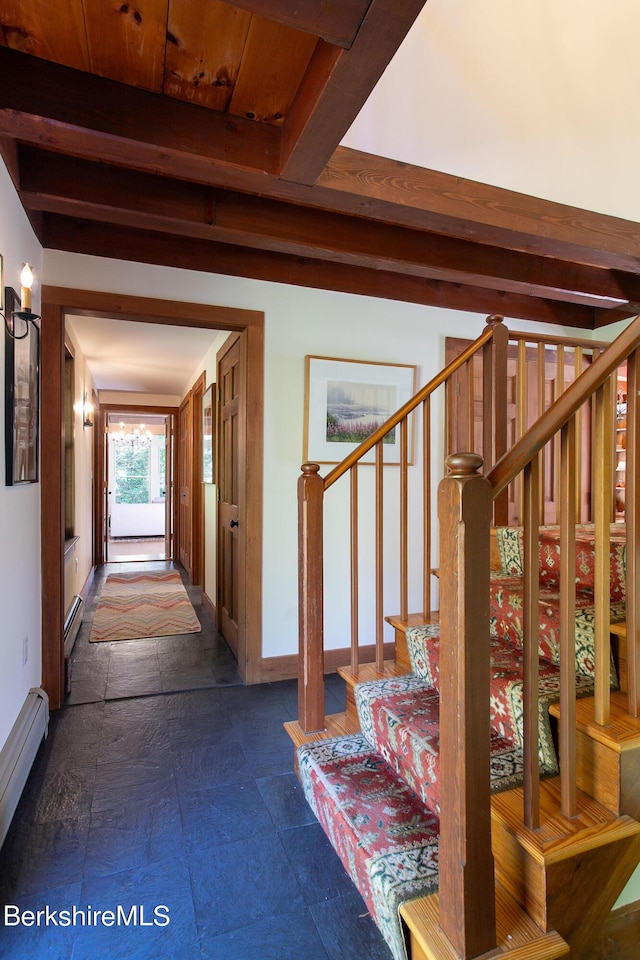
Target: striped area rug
pixel 137 605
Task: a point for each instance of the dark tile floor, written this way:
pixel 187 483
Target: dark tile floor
pixel 166 783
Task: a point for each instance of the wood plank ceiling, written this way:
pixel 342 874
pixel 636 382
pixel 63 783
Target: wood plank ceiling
pixel 206 136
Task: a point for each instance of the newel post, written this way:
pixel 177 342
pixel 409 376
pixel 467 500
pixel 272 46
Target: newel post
pixel 467 885
pixel 310 600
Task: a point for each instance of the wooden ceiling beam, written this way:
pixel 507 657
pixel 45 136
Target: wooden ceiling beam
pixel 145 246
pixel 336 21
pixel 336 87
pixel 53 183
pixel 85 115
pixel 70 112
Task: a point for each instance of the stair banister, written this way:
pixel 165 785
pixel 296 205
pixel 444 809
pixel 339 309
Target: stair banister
pixel 467 886
pixel 311 489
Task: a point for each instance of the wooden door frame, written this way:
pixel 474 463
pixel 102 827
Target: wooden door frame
pixel 57 302
pixel 197 496
pixel 101 472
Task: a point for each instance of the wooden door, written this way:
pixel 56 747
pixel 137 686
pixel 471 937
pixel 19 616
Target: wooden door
pixel 185 482
pixel 230 378
pixel 168 486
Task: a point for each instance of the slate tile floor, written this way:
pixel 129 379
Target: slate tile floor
pixel 164 781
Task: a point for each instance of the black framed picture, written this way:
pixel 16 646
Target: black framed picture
pixel 21 395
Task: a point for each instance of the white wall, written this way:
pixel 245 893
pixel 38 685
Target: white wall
pixel 79 561
pixel 20 584
pixel 535 96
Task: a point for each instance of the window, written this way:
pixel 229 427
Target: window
pixel 132 473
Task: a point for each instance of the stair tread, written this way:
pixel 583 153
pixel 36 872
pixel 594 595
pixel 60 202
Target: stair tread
pixel 621 733
pixel 558 836
pixel 516 933
pixel 369 671
pixel 337 725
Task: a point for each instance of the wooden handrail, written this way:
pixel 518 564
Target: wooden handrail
pixel 410 405
pixel 523 452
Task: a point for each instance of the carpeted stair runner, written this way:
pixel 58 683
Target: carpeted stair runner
pixel 385 837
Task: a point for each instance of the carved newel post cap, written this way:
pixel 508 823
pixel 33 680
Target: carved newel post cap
pixel 309 469
pixel 495 318
pixel 463 464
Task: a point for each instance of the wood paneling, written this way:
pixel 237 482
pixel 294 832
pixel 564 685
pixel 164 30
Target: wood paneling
pixel 126 41
pixel 273 64
pixel 31 28
pixel 204 49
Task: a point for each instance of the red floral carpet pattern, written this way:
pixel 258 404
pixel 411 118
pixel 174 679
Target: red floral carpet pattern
pixel 385 837
pixel 137 605
pixel 376 793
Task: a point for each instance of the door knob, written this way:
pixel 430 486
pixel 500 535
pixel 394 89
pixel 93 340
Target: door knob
pixel 233 523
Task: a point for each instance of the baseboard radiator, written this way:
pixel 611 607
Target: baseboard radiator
pixel 72 624
pixel 18 753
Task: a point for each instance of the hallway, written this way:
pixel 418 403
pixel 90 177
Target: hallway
pixel 171 784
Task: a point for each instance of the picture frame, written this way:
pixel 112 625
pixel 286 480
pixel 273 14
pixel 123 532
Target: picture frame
pixel 208 434
pixel 22 397
pixel 346 400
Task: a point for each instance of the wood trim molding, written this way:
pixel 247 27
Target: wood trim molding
pixel 210 607
pixel 56 303
pixel 285 667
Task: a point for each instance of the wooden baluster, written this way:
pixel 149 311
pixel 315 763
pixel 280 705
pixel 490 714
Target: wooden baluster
pixel 467 888
pixel 541 409
pixel 559 388
pixel 521 414
pixel 531 628
pixel 379 556
pixel 494 411
pixel 579 452
pixel 354 569
pixel 632 517
pixel 404 519
pixel 310 588
pixel 602 590
pixel 567 506
pixel 426 501
pixel 471 403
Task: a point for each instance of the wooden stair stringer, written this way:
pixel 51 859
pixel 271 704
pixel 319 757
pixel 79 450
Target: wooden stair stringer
pixel 569 873
pixel 518 937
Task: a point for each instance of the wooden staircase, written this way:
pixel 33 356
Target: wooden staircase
pixel 562 849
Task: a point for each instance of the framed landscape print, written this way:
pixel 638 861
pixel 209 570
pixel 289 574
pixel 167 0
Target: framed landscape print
pixel 347 400
pixel 21 396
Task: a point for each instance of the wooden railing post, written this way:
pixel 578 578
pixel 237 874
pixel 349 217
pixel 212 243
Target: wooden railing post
pixel 467 885
pixel 311 610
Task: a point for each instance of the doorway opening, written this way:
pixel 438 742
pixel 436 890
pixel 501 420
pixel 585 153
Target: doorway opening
pixel 138 514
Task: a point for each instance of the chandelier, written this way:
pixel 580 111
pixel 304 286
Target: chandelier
pixel 135 437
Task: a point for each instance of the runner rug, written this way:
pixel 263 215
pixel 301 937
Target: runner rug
pixel 137 605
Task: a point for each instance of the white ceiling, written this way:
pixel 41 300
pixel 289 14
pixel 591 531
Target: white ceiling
pixel 537 96
pixel 141 357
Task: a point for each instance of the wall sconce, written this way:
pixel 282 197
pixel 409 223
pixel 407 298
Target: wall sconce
pixel 25 313
pixel 87 412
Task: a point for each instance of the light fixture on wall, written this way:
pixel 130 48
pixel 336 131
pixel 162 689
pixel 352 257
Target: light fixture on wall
pixel 87 412
pixel 25 314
